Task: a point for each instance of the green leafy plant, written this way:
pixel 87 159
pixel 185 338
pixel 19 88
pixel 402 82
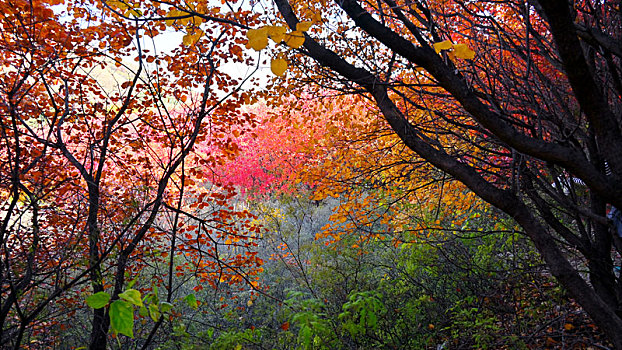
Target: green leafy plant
pixel 122 310
pixel 315 329
pixel 361 312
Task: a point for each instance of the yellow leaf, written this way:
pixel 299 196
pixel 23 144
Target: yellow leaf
pixel 463 51
pixel 184 21
pixel 187 40
pixel 317 17
pixel 134 12
pixel 172 13
pixel 118 4
pixel 191 39
pixel 257 38
pixel 276 33
pixel 303 26
pixel 443 45
pixel 278 66
pixel 294 39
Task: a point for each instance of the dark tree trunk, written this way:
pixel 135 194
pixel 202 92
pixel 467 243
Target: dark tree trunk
pixel 564 146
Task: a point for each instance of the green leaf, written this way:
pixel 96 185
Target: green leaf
pixel 143 311
pixel 98 300
pixel 180 330
pixel 154 312
pixel 305 335
pixel 154 294
pixel 122 318
pixel 165 307
pixel 191 300
pixel 132 296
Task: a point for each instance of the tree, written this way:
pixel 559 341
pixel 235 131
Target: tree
pixel 98 133
pixel 519 101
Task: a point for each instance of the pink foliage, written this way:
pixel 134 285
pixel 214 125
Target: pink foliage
pixel 272 154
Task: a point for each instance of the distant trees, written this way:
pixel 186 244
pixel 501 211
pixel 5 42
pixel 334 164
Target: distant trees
pixel 366 246
pixel 519 101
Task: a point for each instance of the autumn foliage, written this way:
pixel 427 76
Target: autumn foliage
pixel 517 101
pixel 139 169
pixel 101 183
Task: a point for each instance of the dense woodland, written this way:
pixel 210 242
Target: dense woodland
pixel 234 174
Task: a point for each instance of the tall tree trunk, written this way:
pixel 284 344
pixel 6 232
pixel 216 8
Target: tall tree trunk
pixel 101 322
